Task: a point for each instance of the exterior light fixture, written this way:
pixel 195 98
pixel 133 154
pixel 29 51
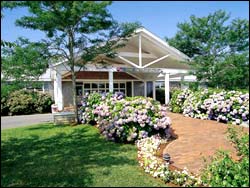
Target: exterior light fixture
pixel 166 157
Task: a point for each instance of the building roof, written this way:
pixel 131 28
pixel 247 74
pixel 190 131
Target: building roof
pixel 153 48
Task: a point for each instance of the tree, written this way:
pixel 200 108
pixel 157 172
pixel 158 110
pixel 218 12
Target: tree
pixel 76 28
pixel 219 51
pixel 25 61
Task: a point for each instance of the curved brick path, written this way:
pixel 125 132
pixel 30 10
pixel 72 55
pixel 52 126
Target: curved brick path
pixel 196 139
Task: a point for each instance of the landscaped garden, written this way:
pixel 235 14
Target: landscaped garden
pixel 145 121
pixel 122 147
pixel 126 141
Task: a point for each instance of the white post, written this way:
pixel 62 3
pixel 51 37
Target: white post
pixel 132 87
pixel 59 91
pixel 182 80
pixel 167 93
pixel 43 88
pixel 111 88
pixel 55 88
pixel 140 57
pixel 145 88
pixel 154 92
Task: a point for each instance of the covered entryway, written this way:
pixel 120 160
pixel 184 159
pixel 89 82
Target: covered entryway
pixel 144 60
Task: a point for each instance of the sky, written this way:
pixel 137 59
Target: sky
pixel 159 17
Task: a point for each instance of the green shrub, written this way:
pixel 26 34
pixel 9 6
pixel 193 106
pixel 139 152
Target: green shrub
pixel 27 102
pixel 43 103
pixel 6 89
pixel 177 99
pixel 4 107
pixel 223 171
pixel 21 102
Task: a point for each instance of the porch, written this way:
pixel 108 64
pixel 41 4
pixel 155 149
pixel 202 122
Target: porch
pixel 100 82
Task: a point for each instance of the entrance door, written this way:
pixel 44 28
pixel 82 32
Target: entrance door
pixel 150 89
pixel 138 88
pixel 79 93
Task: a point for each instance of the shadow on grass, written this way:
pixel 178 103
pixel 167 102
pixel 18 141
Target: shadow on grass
pixel 58 161
pixel 47 126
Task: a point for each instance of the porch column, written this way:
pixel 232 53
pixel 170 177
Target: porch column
pixel 154 93
pixel 182 84
pixel 167 93
pixel 132 87
pixel 55 88
pixel 59 101
pixel 111 87
pixel 145 88
pixel 43 88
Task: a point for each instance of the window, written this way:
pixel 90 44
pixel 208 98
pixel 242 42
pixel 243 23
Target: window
pixel 159 84
pixel 79 90
pixel 102 87
pixel 129 89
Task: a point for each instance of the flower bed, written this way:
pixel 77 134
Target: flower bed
pixel 223 106
pixel 148 160
pixel 140 120
pixel 126 119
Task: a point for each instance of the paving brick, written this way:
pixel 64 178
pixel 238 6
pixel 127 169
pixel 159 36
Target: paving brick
pixel 197 139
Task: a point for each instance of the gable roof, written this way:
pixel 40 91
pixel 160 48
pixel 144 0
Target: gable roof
pixel 162 43
pixel 153 48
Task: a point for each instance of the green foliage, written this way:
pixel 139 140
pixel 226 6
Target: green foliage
pixel 240 140
pixel 25 61
pixel 43 102
pixel 224 171
pixel 194 86
pixel 7 44
pixel 220 51
pixel 27 102
pixel 21 102
pixel 6 89
pixel 175 104
pixel 232 73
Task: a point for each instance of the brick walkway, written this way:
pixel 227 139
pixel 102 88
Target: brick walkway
pixel 196 139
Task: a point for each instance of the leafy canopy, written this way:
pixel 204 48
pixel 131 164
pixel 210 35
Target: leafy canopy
pixel 219 49
pixel 25 61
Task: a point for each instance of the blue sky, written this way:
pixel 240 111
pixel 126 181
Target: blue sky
pixel 160 17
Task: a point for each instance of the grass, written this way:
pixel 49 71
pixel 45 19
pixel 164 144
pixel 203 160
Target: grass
pixel 59 156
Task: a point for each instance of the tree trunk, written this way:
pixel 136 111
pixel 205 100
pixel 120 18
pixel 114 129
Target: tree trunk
pixel 74 93
pixel 72 66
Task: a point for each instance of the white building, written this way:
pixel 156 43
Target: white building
pixel 144 63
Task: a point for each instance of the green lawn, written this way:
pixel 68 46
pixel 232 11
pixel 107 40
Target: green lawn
pixel 48 155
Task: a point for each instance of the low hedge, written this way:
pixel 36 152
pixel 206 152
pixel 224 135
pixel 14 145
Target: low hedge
pixel 224 171
pixel 27 102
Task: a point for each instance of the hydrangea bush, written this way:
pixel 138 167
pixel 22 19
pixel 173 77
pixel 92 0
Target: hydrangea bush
pixel 147 150
pixel 126 119
pixel 223 106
